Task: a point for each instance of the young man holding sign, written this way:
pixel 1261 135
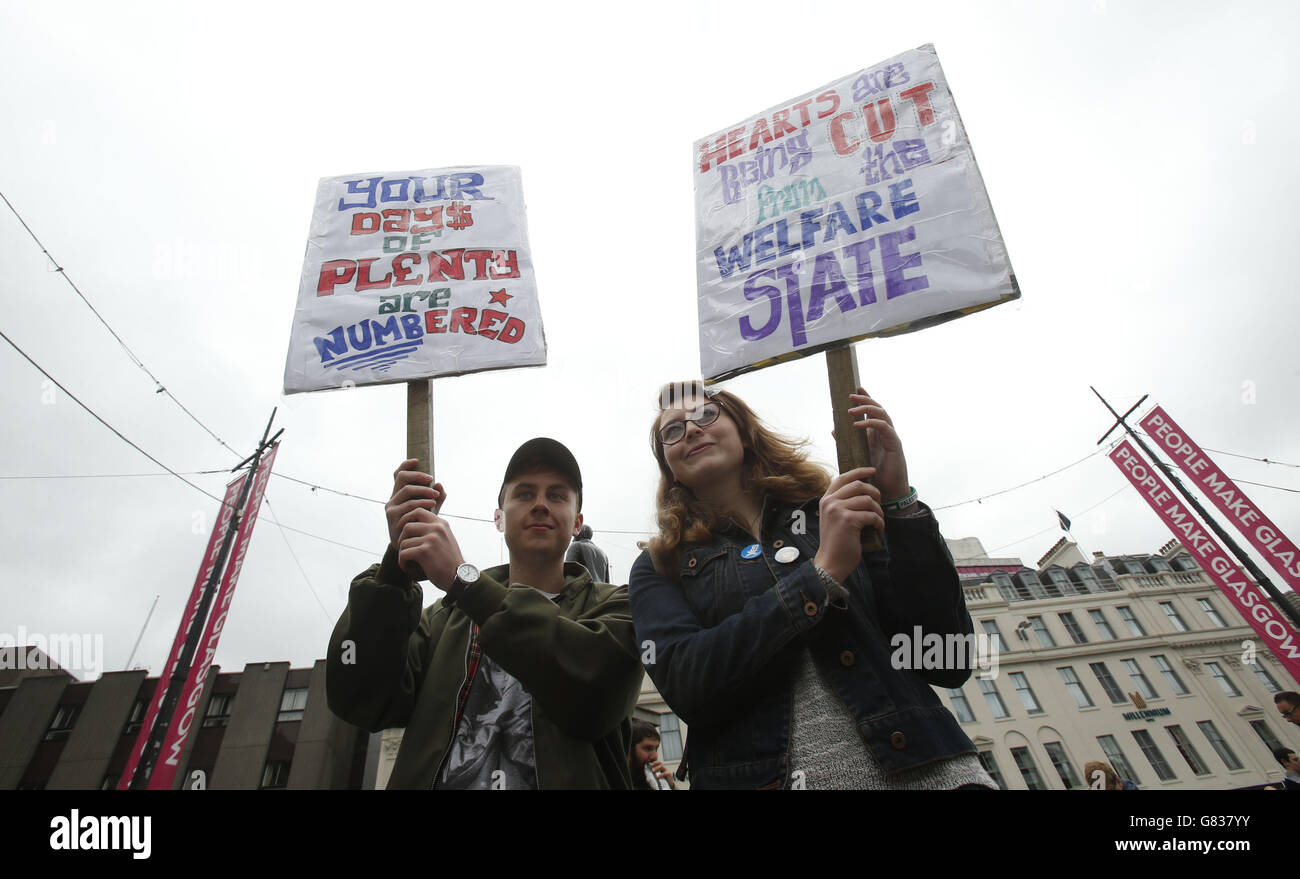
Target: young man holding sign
pixel 522 675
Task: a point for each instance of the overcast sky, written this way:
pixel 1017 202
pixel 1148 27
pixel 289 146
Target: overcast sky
pixel 1139 157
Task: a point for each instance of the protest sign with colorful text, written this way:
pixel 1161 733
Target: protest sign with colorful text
pixel 413 275
pixel 854 210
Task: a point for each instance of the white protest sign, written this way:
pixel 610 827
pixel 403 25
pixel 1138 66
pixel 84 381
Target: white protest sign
pixel 855 210
pixel 412 275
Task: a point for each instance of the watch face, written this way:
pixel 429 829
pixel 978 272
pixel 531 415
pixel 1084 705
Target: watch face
pixel 467 573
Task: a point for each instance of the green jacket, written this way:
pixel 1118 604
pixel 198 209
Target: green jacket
pixel 576 656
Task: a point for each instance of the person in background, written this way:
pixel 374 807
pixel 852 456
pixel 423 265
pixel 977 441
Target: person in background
pixel 1100 776
pixel 1290 765
pixel 770 630
pixel 644 759
pixel 589 555
pixel 1287 702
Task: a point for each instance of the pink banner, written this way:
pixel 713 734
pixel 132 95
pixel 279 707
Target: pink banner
pixel 1267 538
pixel 1249 599
pixel 164 771
pixel 187 622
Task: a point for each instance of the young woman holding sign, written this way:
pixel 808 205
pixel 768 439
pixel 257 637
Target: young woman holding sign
pixel 767 629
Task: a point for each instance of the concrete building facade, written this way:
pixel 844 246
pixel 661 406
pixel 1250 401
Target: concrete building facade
pixel 1137 660
pixel 267 727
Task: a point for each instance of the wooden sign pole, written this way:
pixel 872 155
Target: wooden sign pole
pixel 419 423
pixel 851 448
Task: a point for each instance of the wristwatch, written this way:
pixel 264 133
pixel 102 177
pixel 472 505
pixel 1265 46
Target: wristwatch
pixel 466 576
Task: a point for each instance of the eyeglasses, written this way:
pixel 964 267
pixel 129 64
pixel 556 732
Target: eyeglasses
pixel 703 415
pixel 1287 713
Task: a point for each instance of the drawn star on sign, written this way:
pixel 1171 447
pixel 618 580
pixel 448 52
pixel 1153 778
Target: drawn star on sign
pixel 499 297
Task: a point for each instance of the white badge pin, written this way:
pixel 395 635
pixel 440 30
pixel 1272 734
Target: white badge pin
pixel 787 554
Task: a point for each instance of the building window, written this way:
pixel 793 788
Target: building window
pixel 1045 638
pixel 670 738
pixel 1211 612
pixel 1159 564
pixel 1134 627
pixel 1005 587
pixel 292 704
pixel 1264 677
pixel 991 767
pixel 1025 763
pixel 218 713
pixel 1266 735
pixel 1185 747
pixel 1118 761
pixel 1099 620
pixel 65 718
pixel 1072 626
pixel 1113 692
pixel 1105 576
pixel 991 629
pixel 961 706
pixel 1179 688
pixel 275 775
pixel 1174 618
pixel 1026 692
pixel 1139 679
pixel 1086 579
pixel 1030 584
pixel 1153 755
pixel 1058 583
pixel 1075 686
pixel 1056 752
pixel 990 691
pixel 1225 683
pixel 1220 744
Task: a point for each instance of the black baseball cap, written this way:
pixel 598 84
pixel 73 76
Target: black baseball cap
pixel 542 452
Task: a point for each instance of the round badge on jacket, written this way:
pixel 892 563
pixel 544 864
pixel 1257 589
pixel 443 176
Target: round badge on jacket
pixel 787 554
pixel 752 551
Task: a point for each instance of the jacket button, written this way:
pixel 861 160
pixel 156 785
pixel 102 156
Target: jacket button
pixel 898 740
pixel 691 563
pixel 810 609
pixel 778 544
pixel 847 659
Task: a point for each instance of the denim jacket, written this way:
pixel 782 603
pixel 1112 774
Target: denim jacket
pixel 723 643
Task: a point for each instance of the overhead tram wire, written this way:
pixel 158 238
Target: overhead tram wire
pixel 1054 527
pixel 270 509
pixel 162 389
pixel 984 497
pixel 314 486
pixel 95 415
pixel 115 475
pixel 1250 458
